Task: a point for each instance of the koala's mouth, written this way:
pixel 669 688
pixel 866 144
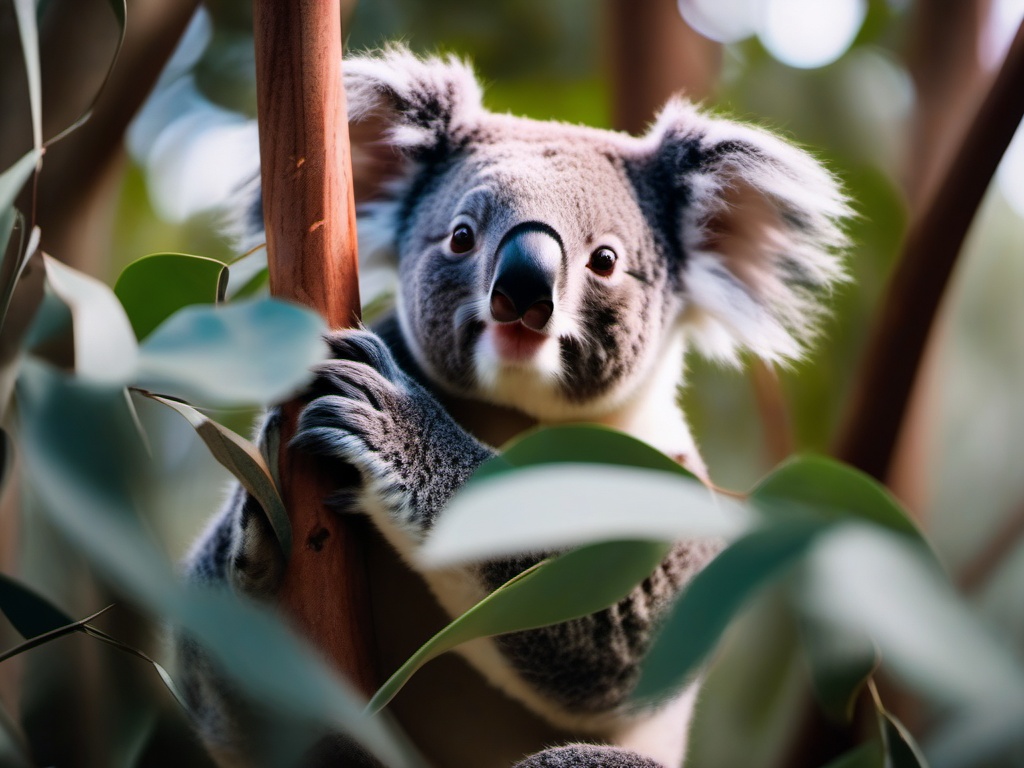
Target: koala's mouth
pixel 515 343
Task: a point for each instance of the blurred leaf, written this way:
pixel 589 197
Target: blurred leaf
pixel 154 287
pixel 252 352
pixel 841 663
pixel 552 506
pixel 14 178
pixel 82 459
pixel 572 585
pixel 298 684
pixel 826 489
pixel 50 635
pixel 14 750
pixel 579 443
pixel 243 460
pixel 12 273
pixel 29 612
pixel 81 452
pixel 868 581
pixel 25 10
pixel 900 748
pixel 105 348
pixel 714 597
pixel 6 456
pixel 870 755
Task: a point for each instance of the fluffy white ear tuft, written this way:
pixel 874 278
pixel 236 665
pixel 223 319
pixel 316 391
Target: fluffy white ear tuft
pixel 761 234
pixel 422 101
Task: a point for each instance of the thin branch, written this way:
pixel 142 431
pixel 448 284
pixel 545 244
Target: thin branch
pixel 934 242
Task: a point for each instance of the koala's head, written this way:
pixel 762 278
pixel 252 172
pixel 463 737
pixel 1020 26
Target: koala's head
pixel 549 267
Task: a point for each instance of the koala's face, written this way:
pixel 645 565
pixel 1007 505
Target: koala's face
pixel 529 274
pixel 547 266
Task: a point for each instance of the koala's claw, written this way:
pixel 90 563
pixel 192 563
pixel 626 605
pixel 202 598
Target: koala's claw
pixel 367 413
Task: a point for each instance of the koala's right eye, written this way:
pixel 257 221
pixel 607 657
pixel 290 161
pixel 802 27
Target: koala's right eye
pixel 463 239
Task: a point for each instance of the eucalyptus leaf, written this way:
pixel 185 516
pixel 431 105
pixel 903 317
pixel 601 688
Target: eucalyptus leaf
pixel 80 457
pixel 841 663
pixel 550 506
pixel 29 612
pixel 14 750
pixel 25 11
pixel 14 178
pixel 592 443
pixel 252 352
pixel 245 462
pixel 870 755
pixel 154 287
pixel 566 587
pixel 827 489
pixel 105 347
pixel 900 747
pixel 889 587
pixel 714 597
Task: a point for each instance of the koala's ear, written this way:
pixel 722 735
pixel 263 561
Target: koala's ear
pixel 760 233
pixel 419 104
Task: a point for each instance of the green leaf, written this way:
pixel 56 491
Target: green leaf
pixel 828 490
pixel 900 747
pixel 591 443
pixel 244 461
pixel 14 178
pixel 81 454
pixel 251 352
pixel 841 664
pixel 572 585
pixel 105 348
pixel 154 287
pixel 869 581
pixel 82 457
pixel 25 10
pixel 553 506
pixel 868 755
pixel 29 612
pixel 713 599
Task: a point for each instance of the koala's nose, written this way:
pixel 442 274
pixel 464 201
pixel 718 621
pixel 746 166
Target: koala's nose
pixel 524 280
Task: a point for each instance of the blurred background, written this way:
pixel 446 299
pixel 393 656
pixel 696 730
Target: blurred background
pixel 880 89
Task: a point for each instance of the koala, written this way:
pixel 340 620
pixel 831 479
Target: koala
pixel 545 273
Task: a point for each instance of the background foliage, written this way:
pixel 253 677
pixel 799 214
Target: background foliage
pixel 822 559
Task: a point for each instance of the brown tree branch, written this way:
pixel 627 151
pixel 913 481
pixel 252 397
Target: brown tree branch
pixel 310 220
pixel 881 392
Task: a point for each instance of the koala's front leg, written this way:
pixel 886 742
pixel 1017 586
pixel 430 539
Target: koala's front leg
pixel 410 454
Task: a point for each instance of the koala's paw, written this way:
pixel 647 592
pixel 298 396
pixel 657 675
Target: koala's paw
pixel 367 413
pixel 256 564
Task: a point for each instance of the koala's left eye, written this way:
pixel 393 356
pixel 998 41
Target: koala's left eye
pixel 602 261
pixel 463 239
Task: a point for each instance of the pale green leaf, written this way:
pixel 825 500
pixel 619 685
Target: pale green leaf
pixel 714 597
pixel 572 585
pixel 25 10
pixel 552 506
pixel 29 612
pixel 245 462
pixel 251 352
pixel 105 347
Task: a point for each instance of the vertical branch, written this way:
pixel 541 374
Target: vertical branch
pixel 882 391
pixel 310 222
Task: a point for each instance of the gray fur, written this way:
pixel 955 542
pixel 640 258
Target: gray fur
pixel 587 756
pixel 724 236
